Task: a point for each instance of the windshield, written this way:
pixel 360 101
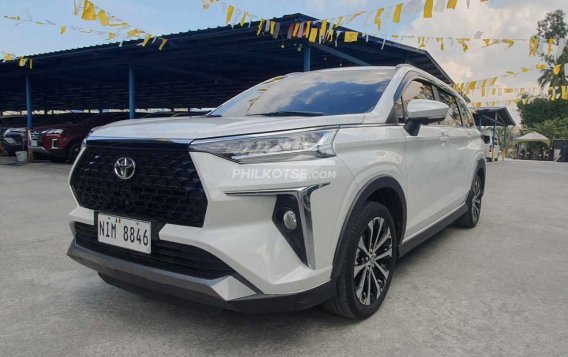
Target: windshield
pixel 311 94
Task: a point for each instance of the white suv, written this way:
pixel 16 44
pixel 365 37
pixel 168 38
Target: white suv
pixel 302 190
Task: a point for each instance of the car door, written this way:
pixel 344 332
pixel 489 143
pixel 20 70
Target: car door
pixel 426 165
pixel 457 150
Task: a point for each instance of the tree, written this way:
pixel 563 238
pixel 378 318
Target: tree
pixel 553 27
pixel 542 109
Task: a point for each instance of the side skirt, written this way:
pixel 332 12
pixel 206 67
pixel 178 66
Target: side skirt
pixel 429 232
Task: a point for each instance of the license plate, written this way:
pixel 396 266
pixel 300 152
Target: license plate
pixel 125 233
pixel 34 143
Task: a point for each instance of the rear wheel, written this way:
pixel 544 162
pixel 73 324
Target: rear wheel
pixel 74 151
pixel 367 261
pixel 471 217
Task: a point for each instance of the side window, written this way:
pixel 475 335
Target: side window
pixel 466 115
pixel 415 90
pixel 453 118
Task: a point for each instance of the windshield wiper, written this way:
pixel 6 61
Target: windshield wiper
pixel 286 113
pixel 213 115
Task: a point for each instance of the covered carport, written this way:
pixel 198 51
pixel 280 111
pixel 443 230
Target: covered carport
pixel 196 69
pixel 494 117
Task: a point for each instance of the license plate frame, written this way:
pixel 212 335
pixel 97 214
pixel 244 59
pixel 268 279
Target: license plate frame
pixel 138 238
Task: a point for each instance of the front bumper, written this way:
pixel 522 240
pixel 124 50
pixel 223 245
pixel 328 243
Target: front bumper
pixel 229 292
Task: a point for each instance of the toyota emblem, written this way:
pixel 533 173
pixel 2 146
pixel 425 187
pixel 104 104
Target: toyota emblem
pixel 124 168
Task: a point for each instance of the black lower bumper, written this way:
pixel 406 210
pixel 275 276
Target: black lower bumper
pixel 171 286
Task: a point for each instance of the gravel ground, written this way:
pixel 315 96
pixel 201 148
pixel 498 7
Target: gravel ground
pixel 500 289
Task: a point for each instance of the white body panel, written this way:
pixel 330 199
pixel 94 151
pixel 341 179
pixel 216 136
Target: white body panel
pixel 434 169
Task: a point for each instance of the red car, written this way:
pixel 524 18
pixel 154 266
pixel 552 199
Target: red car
pixel 63 143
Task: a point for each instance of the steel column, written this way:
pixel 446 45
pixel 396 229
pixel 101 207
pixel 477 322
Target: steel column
pixel 131 93
pixel 307 59
pixel 29 101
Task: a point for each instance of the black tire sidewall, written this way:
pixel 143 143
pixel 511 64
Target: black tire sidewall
pixel 369 211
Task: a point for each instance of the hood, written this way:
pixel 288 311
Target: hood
pixel 44 127
pixel 188 128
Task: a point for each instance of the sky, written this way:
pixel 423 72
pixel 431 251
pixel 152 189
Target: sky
pixel 495 18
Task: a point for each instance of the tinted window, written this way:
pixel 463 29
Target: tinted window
pixel 415 90
pixel 324 92
pixel 453 118
pixel 466 115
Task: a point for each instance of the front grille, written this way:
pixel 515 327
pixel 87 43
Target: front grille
pixel 165 187
pixel 179 258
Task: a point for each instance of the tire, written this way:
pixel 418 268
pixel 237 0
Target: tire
pixel 361 285
pixel 471 217
pixel 74 151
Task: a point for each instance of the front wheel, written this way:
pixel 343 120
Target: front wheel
pixel 471 217
pixel 367 261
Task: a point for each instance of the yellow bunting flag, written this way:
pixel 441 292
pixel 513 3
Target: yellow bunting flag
pixel 452 4
pixel 230 11
pixel 556 70
pixel 307 29
pixel 564 92
pixel 272 27
pixel 397 12
pixel 351 36
pixel 62 30
pixel 428 6
pixel 31 63
pixel 111 35
pixel 440 40
pixel 378 16
pixel 22 62
pixel 313 35
pixel 134 33
pixel 103 18
pixel 146 40
pixel 17 18
pixel 164 41
pixel 541 66
pixel 421 41
pixel 524 69
pixel 294 32
pixel 260 26
pixel 8 57
pixel 323 29
pixel 509 43
pixel 89 11
pixel 464 43
pixel 534 42
pixel 244 18
pixel 550 48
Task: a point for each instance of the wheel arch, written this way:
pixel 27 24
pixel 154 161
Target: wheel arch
pixel 385 190
pixel 480 170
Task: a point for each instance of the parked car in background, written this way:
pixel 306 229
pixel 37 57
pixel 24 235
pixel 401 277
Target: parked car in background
pixel 63 142
pixel 492 148
pixel 7 122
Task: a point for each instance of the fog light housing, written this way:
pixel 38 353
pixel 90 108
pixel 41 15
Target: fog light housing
pixel 287 219
pixel 290 220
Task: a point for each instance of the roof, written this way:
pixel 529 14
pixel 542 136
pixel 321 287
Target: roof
pixel 498 115
pixel 197 69
pixel 532 136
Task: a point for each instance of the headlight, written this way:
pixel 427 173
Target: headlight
pixel 54 132
pixel 271 147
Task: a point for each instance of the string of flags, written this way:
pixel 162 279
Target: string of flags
pixel 328 28
pixel 22 61
pixel 485 83
pixel 61 28
pixel 88 11
pixel 553 94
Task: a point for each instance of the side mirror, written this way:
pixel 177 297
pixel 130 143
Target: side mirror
pixel 424 112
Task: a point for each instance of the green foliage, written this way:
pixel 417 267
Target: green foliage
pixel 553 128
pixel 553 26
pixel 540 110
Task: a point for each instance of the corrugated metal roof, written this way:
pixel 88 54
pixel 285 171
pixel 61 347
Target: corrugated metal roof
pixel 200 68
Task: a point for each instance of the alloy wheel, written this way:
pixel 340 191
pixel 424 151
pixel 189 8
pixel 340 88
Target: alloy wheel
pixel 476 200
pixel 373 261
